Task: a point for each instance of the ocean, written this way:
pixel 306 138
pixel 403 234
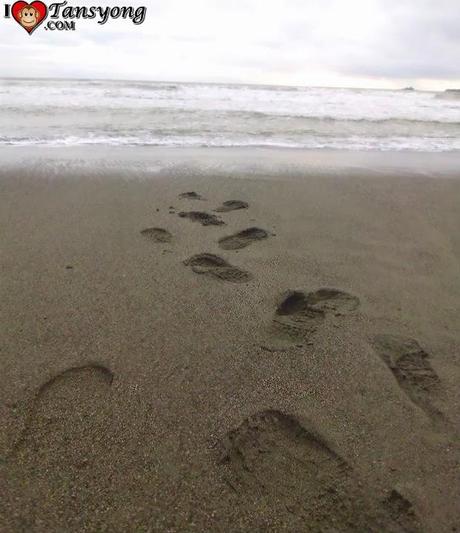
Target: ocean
pixel 129 113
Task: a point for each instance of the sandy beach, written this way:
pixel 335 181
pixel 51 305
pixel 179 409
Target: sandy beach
pixel 278 351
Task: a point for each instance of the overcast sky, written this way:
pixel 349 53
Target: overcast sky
pixel 366 43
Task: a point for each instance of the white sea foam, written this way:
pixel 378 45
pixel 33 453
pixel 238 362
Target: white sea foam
pixel 62 113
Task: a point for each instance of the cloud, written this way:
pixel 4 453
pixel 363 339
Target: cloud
pixel 327 42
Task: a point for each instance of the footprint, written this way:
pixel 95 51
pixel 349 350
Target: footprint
pixel 69 418
pixel 332 301
pixel 157 234
pixel 215 266
pixel 273 461
pixel 204 218
pixel 299 314
pixel 401 510
pixel 242 239
pixel 191 195
pixel 232 205
pixel 410 365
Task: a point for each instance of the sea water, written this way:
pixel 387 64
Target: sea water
pixel 130 113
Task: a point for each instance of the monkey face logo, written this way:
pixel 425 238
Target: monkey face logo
pixel 29 16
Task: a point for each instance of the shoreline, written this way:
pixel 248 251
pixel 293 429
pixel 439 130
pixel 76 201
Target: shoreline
pixel 247 162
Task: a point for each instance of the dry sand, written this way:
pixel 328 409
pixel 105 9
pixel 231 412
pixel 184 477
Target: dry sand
pixel 293 367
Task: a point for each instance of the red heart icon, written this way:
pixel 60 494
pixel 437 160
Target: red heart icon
pixel 29 16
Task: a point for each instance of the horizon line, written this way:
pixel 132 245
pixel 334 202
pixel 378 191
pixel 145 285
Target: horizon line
pixel 66 78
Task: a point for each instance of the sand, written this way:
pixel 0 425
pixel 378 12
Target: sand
pixel 293 368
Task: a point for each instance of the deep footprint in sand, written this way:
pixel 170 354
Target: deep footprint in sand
pixel 214 266
pixel 273 461
pixel 69 418
pixel 157 234
pixel 243 238
pixel 232 205
pixel 410 365
pixel 191 195
pixel 299 314
pixel 203 218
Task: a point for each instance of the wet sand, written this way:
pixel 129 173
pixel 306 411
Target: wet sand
pixel 175 362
